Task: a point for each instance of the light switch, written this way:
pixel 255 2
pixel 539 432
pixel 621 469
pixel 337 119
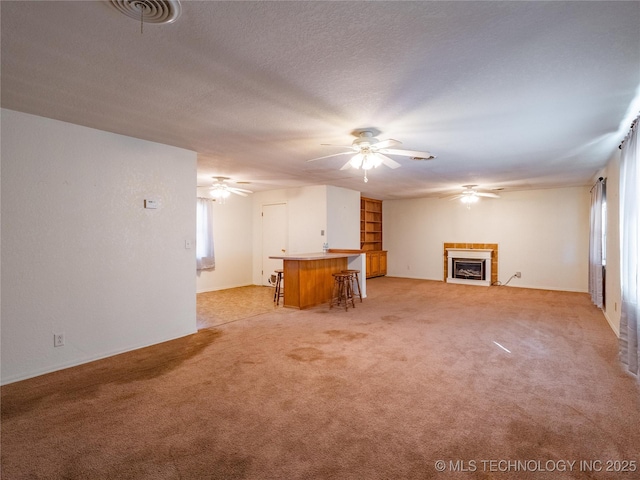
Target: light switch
pixel 187 244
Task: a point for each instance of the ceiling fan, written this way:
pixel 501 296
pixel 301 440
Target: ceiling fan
pixel 220 191
pixel 471 194
pixel 370 152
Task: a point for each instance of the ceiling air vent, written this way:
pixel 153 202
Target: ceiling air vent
pixel 149 11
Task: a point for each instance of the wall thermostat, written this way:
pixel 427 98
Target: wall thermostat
pixel 150 204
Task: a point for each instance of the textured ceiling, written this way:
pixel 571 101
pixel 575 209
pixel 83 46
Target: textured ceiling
pixel 511 95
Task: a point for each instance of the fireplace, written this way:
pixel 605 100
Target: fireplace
pixel 469 266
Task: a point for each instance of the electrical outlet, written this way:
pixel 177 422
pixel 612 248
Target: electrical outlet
pixel 518 274
pixel 58 339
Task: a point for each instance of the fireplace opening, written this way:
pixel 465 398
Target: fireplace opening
pixel 469 268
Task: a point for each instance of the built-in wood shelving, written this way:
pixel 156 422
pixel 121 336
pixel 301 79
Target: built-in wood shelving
pixel 371 236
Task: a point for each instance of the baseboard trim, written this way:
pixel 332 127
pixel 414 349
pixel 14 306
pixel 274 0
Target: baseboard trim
pixel 412 278
pixel 531 287
pixel 615 329
pixel 226 287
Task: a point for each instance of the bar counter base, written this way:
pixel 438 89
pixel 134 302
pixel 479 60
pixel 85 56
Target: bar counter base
pixel 310 282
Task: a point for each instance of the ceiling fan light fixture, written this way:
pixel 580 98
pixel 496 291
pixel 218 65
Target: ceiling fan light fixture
pixel 356 161
pixel 218 191
pixel 370 161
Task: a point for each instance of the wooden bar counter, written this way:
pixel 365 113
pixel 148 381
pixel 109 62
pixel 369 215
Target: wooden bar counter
pixel 307 277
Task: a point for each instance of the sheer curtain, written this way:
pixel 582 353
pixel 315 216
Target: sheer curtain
pixel 595 245
pixel 629 232
pixel 204 234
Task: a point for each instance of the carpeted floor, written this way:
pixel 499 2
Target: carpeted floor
pixel 497 382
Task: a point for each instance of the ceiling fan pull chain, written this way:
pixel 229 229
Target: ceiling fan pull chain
pixel 365 177
pixel 139 5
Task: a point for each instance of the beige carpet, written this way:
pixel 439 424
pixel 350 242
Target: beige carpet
pixel 418 373
pixel 224 306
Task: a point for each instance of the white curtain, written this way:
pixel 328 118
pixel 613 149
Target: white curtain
pixel 629 233
pixel 204 234
pixel 595 245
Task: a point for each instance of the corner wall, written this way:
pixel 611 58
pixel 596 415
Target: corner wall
pixel 80 253
pixel 542 233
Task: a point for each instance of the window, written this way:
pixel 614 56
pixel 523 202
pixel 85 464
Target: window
pixel 205 258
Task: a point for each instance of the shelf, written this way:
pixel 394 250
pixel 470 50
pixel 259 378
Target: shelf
pixel 371 236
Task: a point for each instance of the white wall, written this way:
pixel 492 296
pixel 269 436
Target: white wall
pixel 232 240
pixel 613 290
pixel 343 218
pixel 542 233
pixel 80 254
pixel 307 213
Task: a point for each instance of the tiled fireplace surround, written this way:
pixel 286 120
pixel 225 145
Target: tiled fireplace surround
pixel 494 257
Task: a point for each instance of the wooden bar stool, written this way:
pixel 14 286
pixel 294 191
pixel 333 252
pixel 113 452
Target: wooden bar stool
pixel 279 292
pixel 342 290
pixel 355 282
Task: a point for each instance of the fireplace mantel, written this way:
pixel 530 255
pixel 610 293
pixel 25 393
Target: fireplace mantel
pixel 469 253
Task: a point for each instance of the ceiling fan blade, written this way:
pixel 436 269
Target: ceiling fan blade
pixel 335 145
pixel 346 165
pixel 239 191
pixel 407 153
pixel 388 161
pixel 390 142
pixel 329 156
pixel 487 194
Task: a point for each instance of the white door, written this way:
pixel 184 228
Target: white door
pixel 274 237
